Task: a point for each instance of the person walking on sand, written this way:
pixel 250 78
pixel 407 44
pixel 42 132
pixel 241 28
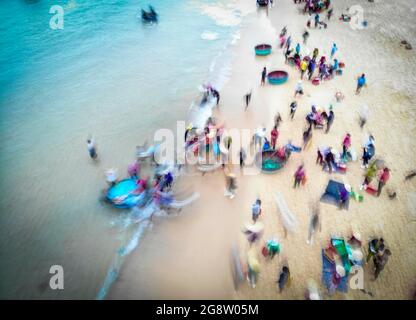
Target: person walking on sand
pixel 288 42
pixel 282 40
pixel 361 82
pixel 247 98
pixel 346 144
pixel 299 176
pixel 297 49
pixel 288 51
pixel 92 149
pixel 277 119
pixel 330 119
pixel 274 135
pixel 303 68
pixel 374 246
pixel 380 261
pixel 334 50
pixel 384 177
pixel 330 160
pixel 256 210
pixel 307 136
pixel 316 20
pixel 293 107
pixel 263 76
pixel 314 224
pixel 366 158
pixel 299 88
pixel 231 185
pixel 242 158
pixel 329 14
pixel 315 53
pixel 311 68
pixel 305 36
pixel 284 278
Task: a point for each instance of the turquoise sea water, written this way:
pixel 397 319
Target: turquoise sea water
pixel 106 75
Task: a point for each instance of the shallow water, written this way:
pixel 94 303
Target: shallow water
pixel 106 75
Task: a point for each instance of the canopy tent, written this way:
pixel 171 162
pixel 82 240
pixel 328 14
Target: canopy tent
pixel 333 193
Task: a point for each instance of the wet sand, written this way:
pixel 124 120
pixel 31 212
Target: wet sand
pixel 187 256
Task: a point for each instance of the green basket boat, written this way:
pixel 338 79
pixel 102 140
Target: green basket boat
pixel 277 77
pixel 263 49
pixel 268 161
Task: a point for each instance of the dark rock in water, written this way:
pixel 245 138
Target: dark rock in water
pixel 408 46
pixel 404 42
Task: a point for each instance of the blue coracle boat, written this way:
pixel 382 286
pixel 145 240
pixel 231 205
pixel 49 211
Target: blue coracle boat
pixel 123 189
pixel 263 49
pixel 277 77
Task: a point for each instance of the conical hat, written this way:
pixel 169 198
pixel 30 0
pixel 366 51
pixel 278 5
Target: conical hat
pixel 340 270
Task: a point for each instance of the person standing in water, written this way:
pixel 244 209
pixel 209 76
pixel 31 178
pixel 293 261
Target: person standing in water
pixel 216 94
pixel 263 76
pixel 360 83
pixel 92 149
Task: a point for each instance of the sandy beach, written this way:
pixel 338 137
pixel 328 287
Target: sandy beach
pixel 114 78
pixel 197 264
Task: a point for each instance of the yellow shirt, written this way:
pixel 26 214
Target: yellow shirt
pixel 303 65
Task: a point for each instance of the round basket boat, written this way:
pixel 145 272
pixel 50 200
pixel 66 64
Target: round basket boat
pixel 268 161
pixel 263 49
pixel 277 77
pixel 120 194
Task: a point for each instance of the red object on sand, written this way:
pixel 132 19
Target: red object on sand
pixel 371 190
pixel 316 81
pixel 342 65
